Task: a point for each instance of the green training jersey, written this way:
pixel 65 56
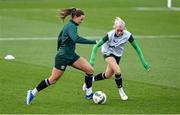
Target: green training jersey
pixel 68 38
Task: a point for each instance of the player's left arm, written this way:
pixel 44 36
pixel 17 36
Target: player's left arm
pixel 72 32
pixel 139 52
pixel 82 40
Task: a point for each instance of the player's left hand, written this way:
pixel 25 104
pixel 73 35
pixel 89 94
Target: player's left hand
pixel 96 41
pixel 147 66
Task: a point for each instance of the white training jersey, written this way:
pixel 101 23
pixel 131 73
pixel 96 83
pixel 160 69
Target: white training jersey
pixel 115 45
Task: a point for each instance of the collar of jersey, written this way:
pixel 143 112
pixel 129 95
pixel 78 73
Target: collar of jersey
pixel 74 22
pixel 116 35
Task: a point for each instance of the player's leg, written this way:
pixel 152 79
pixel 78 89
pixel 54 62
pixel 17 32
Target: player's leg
pixel 104 75
pixel 113 63
pixel 101 76
pixel 109 70
pixel 83 65
pixel 56 74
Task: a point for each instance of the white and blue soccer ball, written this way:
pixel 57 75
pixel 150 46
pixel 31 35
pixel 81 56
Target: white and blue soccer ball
pixel 99 97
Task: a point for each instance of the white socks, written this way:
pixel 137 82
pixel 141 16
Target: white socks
pixel 93 79
pixel 34 91
pixel 88 91
pixel 121 91
pixel 122 94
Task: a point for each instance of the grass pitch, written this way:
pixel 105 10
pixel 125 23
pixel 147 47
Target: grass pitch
pixel 28 30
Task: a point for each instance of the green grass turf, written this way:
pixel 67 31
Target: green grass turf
pixel 67 97
pixel 157 91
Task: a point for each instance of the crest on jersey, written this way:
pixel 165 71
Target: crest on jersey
pixel 62 67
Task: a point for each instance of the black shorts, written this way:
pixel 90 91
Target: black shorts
pixel 115 57
pixel 61 62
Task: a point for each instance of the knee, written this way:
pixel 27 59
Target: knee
pixel 107 75
pixel 117 72
pixel 52 81
pixel 90 70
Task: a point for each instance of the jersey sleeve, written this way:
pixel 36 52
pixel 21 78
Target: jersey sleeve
pixel 82 40
pixel 131 39
pixel 105 38
pixel 72 32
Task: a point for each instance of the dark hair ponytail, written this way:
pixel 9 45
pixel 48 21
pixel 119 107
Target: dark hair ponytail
pixel 70 11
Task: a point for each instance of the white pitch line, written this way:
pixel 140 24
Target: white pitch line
pixel 53 9
pixel 95 37
pixel 27 38
pixel 156 36
pixel 157 9
pixel 28 10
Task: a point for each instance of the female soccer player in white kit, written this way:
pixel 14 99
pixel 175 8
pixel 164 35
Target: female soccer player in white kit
pixel 112 49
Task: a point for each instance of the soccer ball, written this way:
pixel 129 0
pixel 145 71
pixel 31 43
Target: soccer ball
pixel 99 97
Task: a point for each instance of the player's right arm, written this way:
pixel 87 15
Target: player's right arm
pixel 95 48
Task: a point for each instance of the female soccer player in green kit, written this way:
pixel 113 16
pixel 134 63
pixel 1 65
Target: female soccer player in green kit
pixel 112 49
pixel 66 55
